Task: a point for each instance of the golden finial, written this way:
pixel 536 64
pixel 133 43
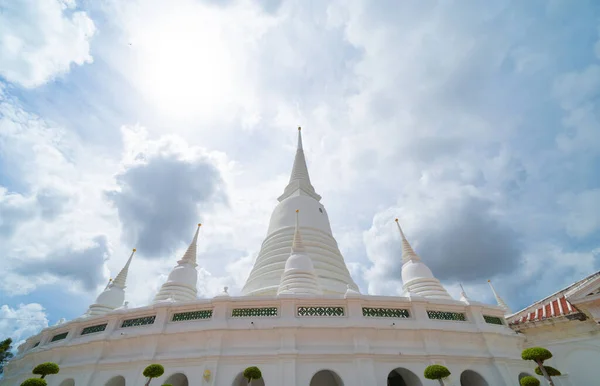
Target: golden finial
pixel 299 128
pixel 199 224
pixel 297 210
pixel 134 249
pixel 110 279
pixel 396 220
pixel 489 281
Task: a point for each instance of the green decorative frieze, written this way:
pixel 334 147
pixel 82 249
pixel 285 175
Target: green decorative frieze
pixel 321 311
pixel 59 336
pixel 93 329
pixel 250 312
pixel 447 315
pixel 138 321
pixel 192 315
pixel 385 312
pixel 493 320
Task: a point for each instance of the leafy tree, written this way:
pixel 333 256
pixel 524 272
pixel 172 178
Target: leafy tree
pixel 34 382
pixel 47 368
pixel 251 373
pixel 5 354
pixel 551 371
pixel 529 381
pixel 539 355
pixel 153 371
pixel 436 372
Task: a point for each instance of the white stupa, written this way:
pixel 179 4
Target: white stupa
pixel 181 283
pixel 299 274
pixel 332 274
pixel 113 295
pixel 416 276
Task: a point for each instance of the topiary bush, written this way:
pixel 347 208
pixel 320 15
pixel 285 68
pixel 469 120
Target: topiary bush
pixel 539 355
pixel 47 368
pixel 167 384
pixel 34 382
pixel 436 372
pixel 153 371
pixel 551 371
pixel 251 373
pixel 529 381
pixel 536 354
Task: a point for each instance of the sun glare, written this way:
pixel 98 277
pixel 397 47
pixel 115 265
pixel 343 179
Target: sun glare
pixel 185 65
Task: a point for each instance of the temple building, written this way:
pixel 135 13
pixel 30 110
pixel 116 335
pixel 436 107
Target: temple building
pixel 302 320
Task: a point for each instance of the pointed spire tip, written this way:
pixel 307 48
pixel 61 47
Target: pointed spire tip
pixel 396 220
pixel 134 250
pixel 199 224
pixel 297 210
pixel 299 128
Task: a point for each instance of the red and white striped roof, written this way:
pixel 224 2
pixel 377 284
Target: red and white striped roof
pixel 549 308
pixel 554 306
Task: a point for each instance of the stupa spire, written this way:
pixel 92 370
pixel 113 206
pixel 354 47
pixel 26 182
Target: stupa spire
pixel 299 179
pixel 299 274
pixel 297 244
pixel 190 254
pixel 501 303
pixel 417 278
pixel 122 276
pixel 407 252
pixel 181 283
pixel 113 295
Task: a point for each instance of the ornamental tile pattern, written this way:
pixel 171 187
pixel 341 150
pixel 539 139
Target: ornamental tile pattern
pixel 253 312
pixel 93 329
pixel 192 315
pixel 385 312
pixel 59 336
pixel 493 320
pixel 321 311
pixel 138 321
pixel 447 315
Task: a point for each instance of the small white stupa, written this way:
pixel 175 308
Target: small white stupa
pixel 417 278
pixel 181 283
pixel 113 295
pixel 299 276
pixel 499 300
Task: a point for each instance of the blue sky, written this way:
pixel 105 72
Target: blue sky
pixel 124 123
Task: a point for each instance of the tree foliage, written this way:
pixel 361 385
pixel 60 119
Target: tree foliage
pixel 251 373
pixel 34 382
pixel 5 354
pixel 436 372
pixel 550 370
pixel 529 381
pixel 536 354
pixel 153 371
pixel 47 368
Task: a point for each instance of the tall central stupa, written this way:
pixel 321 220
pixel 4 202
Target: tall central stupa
pixel 332 274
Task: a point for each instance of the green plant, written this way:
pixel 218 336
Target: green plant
pixel 251 373
pixel 539 355
pixel 47 368
pixel 551 371
pixel 167 384
pixel 153 371
pixel 5 354
pixel 436 372
pixel 529 381
pixel 34 382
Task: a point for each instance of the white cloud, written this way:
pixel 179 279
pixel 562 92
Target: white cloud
pixel 22 321
pixel 40 39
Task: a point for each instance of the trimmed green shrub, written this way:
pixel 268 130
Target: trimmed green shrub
pixel 536 354
pixel 436 372
pixel 47 368
pixel 34 382
pixel 167 384
pixel 539 355
pixel 529 381
pixel 251 373
pixel 153 371
pixel 550 370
